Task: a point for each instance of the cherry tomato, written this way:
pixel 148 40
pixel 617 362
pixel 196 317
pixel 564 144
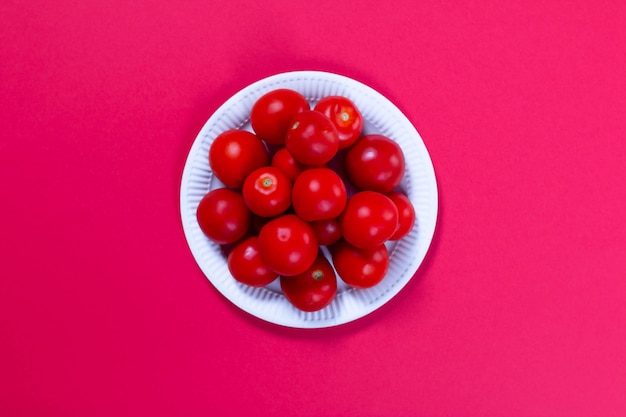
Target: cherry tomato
pixel 312 138
pixel 406 214
pixel 267 192
pixel 287 245
pixel 246 266
pixel 318 194
pixel 234 154
pixel 345 116
pixel 284 161
pixel 360 268
pixel 223 216
pixel 313 289
pixel 327 231
pixel 369 219
pixel 375 163
pixel 271 115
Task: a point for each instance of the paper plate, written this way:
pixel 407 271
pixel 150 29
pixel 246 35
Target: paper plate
pixel 419 183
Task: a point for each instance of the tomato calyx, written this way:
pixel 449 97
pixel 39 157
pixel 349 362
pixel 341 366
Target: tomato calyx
pixel 345 118
pixel 318 275
pixel 266 183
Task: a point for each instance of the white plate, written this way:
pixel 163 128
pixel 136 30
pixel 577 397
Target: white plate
pixel 381 116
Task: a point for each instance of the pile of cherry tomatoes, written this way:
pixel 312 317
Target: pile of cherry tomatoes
pixel 306 178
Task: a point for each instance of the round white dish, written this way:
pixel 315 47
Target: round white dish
pixel 419 183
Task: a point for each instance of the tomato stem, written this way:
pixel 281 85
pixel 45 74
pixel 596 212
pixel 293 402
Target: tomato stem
pixel 318 274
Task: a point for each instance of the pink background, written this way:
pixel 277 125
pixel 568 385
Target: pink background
pixel 518 309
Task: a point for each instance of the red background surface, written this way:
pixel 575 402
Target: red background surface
pixel 518 309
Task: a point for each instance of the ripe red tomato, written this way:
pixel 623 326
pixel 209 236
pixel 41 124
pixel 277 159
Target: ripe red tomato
pixel 267 191
pixel 312 138
pixel 345 116
pixel 246 266
pixel 360 268
pixel 327 231
pixel 223 216
pixel 375 163
pixel 318 194
pixel 234 154
pixel 287 245
pixel 284 161
pixel 369 219
pixel 406 214
pixel 313 289
pixel 271 115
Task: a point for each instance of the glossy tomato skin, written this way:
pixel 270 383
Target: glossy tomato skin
pixel 319 194
pixel 360 268
pixel 234 154
pixel 246 266
pixel 313 289
pixel 369 219
pixel 327 231
pixel 284 161
pixel 345 116
pixel 406 214
pixel 287 245
pixel 267 192
pixel 271 115
pixel 312 138
pixel 223 216
pixel 375 163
